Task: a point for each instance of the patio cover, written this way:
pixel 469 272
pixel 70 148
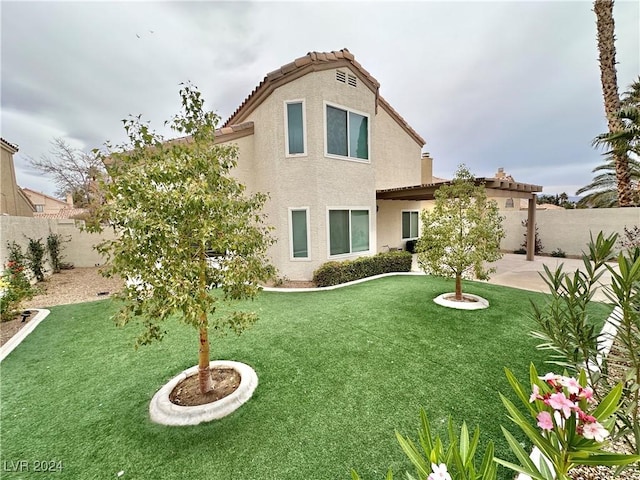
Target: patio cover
pixel 519 190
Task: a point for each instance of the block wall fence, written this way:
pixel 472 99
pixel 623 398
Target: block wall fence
pixel 567 230
pixel 78 250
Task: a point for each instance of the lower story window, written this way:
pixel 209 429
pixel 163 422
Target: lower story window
pixel 299 233
pixel 348 231
pixel 409 225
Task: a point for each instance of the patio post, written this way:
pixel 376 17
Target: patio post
pixel 531 228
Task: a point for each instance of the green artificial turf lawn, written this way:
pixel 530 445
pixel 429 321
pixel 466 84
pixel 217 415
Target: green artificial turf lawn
pixel 339 371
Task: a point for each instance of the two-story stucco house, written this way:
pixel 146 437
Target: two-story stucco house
pixel 318 138
pixel 343 169
pixel 340 165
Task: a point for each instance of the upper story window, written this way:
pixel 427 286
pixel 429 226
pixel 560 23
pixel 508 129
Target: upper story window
pixel 410 225
pixel 39 208
pixel 295 130
pixel 347 133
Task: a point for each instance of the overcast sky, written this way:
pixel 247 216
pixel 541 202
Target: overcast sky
pixel 489 84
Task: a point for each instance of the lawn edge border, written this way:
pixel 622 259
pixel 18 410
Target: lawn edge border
pixel 340 285
pixel 14 341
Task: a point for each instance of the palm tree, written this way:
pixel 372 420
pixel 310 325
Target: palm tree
pixel 631 98
pixel 627 142
pixel 603 186
pixel 608 77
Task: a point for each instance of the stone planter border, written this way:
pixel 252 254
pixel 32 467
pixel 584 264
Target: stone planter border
pixel 479 304
pixel 162 411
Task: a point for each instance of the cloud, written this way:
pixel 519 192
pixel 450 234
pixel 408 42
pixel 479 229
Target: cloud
pixel 490 84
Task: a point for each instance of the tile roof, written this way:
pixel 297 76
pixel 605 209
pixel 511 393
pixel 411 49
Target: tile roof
pixel 64 213
pixel 313 62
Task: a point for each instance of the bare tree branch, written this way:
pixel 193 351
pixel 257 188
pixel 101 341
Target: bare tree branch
pixel 73 171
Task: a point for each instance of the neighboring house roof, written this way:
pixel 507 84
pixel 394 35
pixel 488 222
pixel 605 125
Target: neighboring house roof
pixel 63 204
pixel 26 199
pixel 9 146
pixel 542 206
pixel 427 191
pixel 313 62
pixel 68 212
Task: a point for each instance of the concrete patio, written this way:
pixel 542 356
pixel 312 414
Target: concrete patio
pixel 515 271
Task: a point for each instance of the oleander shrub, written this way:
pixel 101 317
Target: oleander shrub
pixel 15 286
pixel 334 273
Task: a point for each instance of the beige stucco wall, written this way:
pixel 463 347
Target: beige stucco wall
pixel 79 250
pixel 399 156
pixel 568 229
pixel 49 204
pixel 313 181
pixel 389 220
pixel 11 202
pixel 245 171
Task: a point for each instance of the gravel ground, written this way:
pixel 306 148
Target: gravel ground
pixel 73 286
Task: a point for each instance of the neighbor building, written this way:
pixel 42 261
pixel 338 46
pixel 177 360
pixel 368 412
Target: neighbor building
pixel 13 200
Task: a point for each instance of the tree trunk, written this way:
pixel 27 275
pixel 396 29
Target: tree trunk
pixel 204 374
pixel 458 287
pixel 609 79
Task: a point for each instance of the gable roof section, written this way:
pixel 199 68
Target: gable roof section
pixel 26 199
pixel 314 62
pixel 57 200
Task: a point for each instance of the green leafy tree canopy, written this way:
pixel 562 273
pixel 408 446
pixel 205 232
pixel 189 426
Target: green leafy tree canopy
pixel 173 204
pixel 462 231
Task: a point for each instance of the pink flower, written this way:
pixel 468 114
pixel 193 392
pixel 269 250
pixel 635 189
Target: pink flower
pixel 558 401
pixel 545 422
pixel 535 395
pixel 587 394
pixel 594 431
pixel 571 384
pixel 439 472
pixel 551 378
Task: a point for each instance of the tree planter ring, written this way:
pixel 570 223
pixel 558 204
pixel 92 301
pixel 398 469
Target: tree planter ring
pixel 477 302
pixel 164 412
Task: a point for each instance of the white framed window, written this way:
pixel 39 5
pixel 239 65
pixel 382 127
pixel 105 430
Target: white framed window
pixel 295 128
pixel 349 230
pixel 410 219
pixel 299 233
pixel 39 208
pixel 346 133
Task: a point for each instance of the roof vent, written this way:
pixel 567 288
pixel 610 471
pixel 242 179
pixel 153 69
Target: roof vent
pixel 341 76
pixel 352 80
